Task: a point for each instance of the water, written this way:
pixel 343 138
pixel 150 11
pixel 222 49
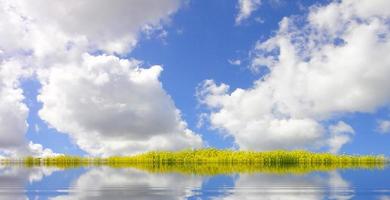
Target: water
pixel 103 182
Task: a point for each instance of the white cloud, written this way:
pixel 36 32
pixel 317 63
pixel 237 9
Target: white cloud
pixel 112 26
pixel 340 135
pixel 104 103
pixel 43 33
pixel 112 106
pixel 13 113
pixel 247 115
pixel 327 67
pixel 38 150
pixel 245 9
pixel 384 126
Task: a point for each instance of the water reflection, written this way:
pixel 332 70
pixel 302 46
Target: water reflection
pixel 130 183
pixel 110 183
pixel 314 186
pixel 14 179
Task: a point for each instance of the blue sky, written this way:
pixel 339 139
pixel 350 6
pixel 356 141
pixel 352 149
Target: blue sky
pixel 198 41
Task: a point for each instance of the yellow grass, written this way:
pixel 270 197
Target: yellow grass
pixel 214 161
pixel 275 158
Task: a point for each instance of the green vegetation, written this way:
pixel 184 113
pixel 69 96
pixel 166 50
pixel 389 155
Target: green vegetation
pixel 274 158
pixel 213 161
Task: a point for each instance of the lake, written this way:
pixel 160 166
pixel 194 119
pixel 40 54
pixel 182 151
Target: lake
pixel 104 182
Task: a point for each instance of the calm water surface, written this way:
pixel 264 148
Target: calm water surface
pixel 110 183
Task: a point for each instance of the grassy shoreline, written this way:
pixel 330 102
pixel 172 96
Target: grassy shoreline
pixel 212 156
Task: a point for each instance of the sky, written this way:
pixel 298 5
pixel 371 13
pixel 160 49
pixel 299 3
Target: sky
pixel 104 78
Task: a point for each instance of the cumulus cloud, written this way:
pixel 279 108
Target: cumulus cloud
pixel 13 113
pixel 109 26
pixel 384 126
pixel 112 106
pixel 43 33
pixel 247 115
pixel 106 104
pixel 35 149
pixel 245 9
pixel 331 63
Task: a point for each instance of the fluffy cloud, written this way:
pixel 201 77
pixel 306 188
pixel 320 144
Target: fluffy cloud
pixel 245 9
pixel 43 33
pixel 247 115
pixel 112 106
pixel 319 69
pixel 13 112
pixel 107 105
pixel 109 26
pixel 35 149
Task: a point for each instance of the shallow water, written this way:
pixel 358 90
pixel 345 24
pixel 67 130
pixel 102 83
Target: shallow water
pixel 17 182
